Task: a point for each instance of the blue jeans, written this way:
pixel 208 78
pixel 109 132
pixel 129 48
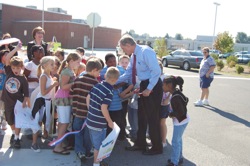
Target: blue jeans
pixel 82 139
pixel 133 121
pixel 97 137
pixel 177 143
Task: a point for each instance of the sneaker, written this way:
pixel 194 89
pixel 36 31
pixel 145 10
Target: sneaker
pixel 198 103
pixel 89 155
pixel 103 163
pixel 81 156
pixel 164 145
pixel 171 164
pixel 12 138
pixel 179 163
pixel 205 102
pixel 36 148
pixel 17 144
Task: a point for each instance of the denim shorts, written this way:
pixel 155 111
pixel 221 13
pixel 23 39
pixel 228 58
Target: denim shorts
pixel 97 137
pixel 165 109
pixel 205 82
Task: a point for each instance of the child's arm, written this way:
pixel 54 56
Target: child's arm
pixel 43 89
pixel 10 54
pixel 65 85
pixel 27 73
pixel 26 102
pixel 105 112
pixel 126 93
pixel 88 100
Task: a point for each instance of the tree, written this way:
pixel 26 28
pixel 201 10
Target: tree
pixel 131 32
pixel 224 42
pixel 178 36
pixel 167 36
pixel 241 37
pixel 160 47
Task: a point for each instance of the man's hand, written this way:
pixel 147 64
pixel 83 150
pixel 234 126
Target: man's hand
pixel 146 92
pixel 111 124
pixel 207 75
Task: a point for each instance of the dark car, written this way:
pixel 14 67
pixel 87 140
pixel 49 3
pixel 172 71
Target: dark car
pixel 186 59
pixel 243 58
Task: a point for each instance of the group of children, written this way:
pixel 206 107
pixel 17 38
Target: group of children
pixel 84 94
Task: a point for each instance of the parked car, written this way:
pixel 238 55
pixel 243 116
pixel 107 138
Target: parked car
pixel 243 58
pixel 225 55
pixel 186 59
pixel 242 53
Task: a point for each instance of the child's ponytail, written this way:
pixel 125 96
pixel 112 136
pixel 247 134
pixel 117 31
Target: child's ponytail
pixel 39 70
pixel 180 82
pixel 62 66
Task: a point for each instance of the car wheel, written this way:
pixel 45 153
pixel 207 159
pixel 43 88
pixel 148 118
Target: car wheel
pixel 186 66
pixel 165 62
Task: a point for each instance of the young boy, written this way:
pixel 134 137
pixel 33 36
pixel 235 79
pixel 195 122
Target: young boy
pixel 115 108
pixel 98 102
pixel 15 88
pixel 79 91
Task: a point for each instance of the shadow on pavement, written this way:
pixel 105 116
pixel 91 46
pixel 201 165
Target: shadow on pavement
pixel 228 115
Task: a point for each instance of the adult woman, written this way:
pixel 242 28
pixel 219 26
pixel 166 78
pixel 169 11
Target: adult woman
pixel 206 77
pixel 37 34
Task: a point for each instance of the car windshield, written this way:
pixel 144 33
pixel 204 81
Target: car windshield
pixel 193 53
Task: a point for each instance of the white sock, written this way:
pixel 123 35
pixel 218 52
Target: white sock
pixel 13 132
pixel 16 137
pixel 94 164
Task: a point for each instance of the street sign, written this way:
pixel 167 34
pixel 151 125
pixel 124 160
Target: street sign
pixel 93 20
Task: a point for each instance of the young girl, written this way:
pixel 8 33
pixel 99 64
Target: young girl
pixel 30 70
pixel 179 115
pixel 62 99
pixel 47 85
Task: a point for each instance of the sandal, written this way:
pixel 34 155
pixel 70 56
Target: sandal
pixel 63 152
pixel 68 148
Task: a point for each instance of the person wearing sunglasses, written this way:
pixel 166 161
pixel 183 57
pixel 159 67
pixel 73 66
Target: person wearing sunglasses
pixel 206 72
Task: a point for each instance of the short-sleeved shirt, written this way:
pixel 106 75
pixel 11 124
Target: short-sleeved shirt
pixel 15 88
pixel 32 67
pixel 101 93
pixel 2 77
pixel 205 65
pixel 79 91
pixel 66 71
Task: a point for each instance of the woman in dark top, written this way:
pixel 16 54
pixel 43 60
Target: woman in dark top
pixel 8 47
pixel 37 35
pixel 179 115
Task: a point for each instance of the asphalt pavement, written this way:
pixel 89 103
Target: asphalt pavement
pixel 217 135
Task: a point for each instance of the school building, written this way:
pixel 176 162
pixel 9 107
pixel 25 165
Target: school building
pixel 72 33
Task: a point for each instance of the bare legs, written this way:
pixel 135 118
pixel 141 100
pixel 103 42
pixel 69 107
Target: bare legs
pixel 204 94
pixel 163 130
pixel 62 127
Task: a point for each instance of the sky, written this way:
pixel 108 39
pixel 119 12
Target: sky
pixel 158 17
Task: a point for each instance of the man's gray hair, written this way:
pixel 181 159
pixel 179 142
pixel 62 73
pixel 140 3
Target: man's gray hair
pixel 127 39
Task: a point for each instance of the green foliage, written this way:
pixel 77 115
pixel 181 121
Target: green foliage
pixel 215 56
pixel 232 64
pixel 232 58
pixel 239 69
pixel 248 64
pixel 178 36
pixel 224 42
pixel 242 38
pixel 160 47
pixel 220 65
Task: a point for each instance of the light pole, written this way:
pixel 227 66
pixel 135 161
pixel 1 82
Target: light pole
pixel 43 16
pixel 216 4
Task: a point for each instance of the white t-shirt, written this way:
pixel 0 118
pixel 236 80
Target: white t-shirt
pixel 51 93
pixel 177 123
pixel 32 67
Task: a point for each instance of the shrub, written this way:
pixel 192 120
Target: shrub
pixel 232 58
pixel 248 64
pixel 239 69
pixel 220 65
pixel 232 64
pixel 215 56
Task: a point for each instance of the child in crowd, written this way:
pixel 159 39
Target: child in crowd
pixel 123 62
pixel 179 115
pixel 115 108
pixel 30 70
pixel 62 98
pixel 60 54
pixel 15 88
pixel 81 51
pixel 79 91
pixel 47 87
pixel 165 109
pixel 98 101
pixel 3 54
pixel 80 69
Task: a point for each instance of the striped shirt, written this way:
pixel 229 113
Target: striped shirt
pixel 79 91
pixel 101 93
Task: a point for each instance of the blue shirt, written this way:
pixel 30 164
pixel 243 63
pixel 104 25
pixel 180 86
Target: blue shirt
pixel 147 66
pixel 116 103
pixel 205 65
pixel 2 76
pixel 100 94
